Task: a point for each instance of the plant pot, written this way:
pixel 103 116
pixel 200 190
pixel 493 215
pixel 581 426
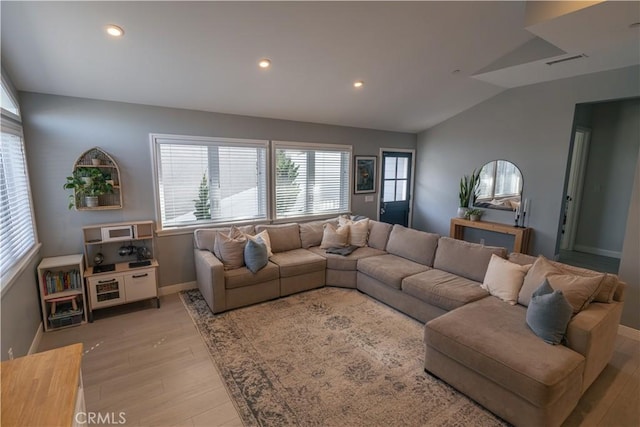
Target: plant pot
pixel 474 217
pixel 91 201
pixel 96 162
pixel 462 212
pixel 87 180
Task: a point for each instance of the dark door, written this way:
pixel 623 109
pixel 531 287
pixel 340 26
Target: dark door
pixel 395 189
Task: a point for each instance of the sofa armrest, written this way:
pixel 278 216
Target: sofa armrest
pixel 210 279
pixel 592 333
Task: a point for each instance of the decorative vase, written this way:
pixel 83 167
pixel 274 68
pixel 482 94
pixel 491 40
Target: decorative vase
pixel 91 201
pixel 462 212
pixel 474 217
pixel 96 162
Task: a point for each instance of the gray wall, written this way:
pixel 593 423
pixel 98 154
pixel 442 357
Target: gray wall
pixel 58 129
pixel 615 137
pixel 530 126
pixel 630 261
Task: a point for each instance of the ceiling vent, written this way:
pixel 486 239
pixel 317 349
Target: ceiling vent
pixel 570 58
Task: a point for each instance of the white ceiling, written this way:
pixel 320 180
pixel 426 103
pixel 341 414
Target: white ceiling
pixel 203 55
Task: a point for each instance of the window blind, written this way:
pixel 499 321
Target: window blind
pixel 311 179
pixel 209 180
pixel 17 231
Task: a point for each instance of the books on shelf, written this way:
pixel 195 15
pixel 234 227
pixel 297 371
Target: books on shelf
pixel 60 281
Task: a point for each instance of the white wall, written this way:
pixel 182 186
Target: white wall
pixel 530 126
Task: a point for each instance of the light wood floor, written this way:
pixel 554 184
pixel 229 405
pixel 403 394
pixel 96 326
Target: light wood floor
pixel 152 365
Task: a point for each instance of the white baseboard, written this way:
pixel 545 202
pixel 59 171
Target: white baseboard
pixel 597 251
pixel 174 289
pixel 628 332
pixel 36 340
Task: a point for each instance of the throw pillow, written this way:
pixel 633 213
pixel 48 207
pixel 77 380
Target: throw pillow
pixel 548 314
pixel 255 255
pixel 263 237
pixel 578 290
pixel 334 237
pixel 230 249
pixel 504 279
pixel 358 231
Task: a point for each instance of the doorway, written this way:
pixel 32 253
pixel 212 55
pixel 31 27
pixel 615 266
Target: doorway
pixel 574 187
pixel 396 187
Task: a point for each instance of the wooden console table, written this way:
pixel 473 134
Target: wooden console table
pixel 522 234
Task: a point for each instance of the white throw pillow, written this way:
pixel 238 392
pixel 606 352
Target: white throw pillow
pixel 358 230
pixel 504 279
pixel 334 237
pixel 262 237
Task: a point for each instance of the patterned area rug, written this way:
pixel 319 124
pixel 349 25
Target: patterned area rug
pixel 329 357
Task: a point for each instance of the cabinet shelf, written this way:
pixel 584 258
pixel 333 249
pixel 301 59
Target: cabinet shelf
pixel 63 294
pixel 109 168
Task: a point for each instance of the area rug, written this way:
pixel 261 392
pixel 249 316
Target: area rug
pixel 328 357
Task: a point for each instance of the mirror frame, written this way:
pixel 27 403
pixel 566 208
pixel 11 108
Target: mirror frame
pixel 513 204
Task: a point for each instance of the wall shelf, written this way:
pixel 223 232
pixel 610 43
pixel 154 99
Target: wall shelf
pixel 99 159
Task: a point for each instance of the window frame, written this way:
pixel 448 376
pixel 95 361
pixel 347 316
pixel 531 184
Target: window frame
pixel 12 124
pixel 308 146
pixel 157 139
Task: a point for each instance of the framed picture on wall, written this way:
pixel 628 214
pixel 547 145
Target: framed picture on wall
pixel 365 174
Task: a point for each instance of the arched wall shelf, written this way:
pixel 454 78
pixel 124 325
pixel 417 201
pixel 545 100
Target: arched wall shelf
pixel 101 160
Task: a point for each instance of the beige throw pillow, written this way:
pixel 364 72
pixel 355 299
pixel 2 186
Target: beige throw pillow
pixel 358 230
pixel 230 248
pixel 504 279
pixel 334 237
pixel 262 237
pixel 579 290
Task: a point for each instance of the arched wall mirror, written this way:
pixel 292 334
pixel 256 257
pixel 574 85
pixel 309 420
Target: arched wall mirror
pixel 500 186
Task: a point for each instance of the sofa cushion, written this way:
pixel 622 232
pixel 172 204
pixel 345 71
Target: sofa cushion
pixel 504 279
pixel 378 234
pixel 492 338
pixel 349 262
pixel 205 238
pixel 389 269
pixel 284 237
pixel 241 277
pixel 334 237
pixel 442 289
pixel 311 232
pixel 298 261
pixel 548 314
pixel 418 246
pixel 465 259
pixel 256 255
pixel 578 290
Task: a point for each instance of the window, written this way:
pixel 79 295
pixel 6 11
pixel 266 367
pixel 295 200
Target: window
pixel 311 179
pixel 209 180
pixel 17 225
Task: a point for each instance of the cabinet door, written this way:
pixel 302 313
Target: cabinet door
pixel 106 291
pixel 141 284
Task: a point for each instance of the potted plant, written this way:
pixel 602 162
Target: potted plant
pixel 95 159
pixel 96 185
pixel 468 187
pixel 475 214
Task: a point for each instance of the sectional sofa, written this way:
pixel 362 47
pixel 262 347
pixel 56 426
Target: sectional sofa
pixel 474 341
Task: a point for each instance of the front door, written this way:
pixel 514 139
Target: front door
pixel 395 191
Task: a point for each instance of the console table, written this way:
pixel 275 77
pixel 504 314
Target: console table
pixel 522 234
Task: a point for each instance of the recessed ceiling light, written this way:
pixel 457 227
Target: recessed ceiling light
pixel 358 83
pixel 264 63
pixel 115 31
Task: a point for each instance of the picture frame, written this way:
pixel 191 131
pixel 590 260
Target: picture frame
pixel 365 174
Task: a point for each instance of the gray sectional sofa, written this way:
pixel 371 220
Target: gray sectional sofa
pixel 476 342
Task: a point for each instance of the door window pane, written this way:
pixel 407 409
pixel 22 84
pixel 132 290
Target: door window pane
pixel 389 167
pixel 389 191
pixel 401 190
pixel 403 168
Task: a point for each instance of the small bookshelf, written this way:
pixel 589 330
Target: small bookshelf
pixel 62 291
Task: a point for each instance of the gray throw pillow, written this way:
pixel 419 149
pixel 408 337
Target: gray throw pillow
pixel 549 313
pixel 255 255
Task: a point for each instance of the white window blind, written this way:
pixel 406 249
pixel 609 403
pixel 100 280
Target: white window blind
pixel 209 180
pixel 311 179
pixel 17 230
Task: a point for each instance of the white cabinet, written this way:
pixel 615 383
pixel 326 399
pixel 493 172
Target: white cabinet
pixel 62 291
pixel 120 263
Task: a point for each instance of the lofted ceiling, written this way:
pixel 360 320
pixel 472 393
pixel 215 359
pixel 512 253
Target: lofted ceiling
pixel 421 62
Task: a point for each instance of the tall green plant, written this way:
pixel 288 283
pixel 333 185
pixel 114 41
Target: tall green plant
pixel 468 188
pixel 85 182
pixel 203 202
pixel 287 189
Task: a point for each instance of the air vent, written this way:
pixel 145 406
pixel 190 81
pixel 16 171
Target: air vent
pixel 570 58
